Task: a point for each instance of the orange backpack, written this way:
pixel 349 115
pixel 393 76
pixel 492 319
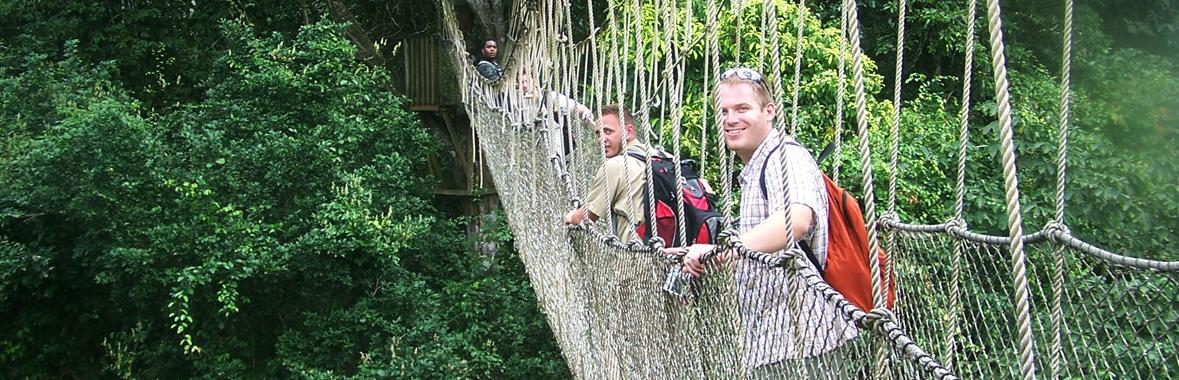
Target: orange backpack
pixel 848 268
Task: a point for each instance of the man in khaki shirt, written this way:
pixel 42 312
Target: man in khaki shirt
pixel 618 185
pixel 631 347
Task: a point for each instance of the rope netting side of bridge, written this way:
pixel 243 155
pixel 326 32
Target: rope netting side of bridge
pixel 1034 304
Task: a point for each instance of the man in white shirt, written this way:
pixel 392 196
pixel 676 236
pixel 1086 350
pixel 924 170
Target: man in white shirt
pixel 778 336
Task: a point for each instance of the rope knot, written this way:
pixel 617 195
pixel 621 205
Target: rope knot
pixel 954 224
pixel 727 238
pixel 637 246
pixel 671 258
pixel 889 219
pixel 1056 229
pixel 877 317
pixel 955 227
pixel 656 243
pixel 708 256
pixel 779 261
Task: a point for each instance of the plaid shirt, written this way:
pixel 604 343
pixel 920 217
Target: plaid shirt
pixel 771 327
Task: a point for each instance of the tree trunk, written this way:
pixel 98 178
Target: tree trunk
pixel 490 16
pixel 369 51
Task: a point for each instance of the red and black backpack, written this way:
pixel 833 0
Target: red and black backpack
pixel 702 222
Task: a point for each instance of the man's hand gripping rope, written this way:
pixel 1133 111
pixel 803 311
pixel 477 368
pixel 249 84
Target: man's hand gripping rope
pixel 694 256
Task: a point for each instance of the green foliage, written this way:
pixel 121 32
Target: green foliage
pixel 1120 195
pixel 182 196
pixel 279 225
pixel 819 85
pixel 158 51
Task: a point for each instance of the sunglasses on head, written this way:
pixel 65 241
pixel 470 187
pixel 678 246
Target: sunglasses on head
pixel 743 73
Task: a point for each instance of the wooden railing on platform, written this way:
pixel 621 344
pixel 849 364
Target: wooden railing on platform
pixel 422 65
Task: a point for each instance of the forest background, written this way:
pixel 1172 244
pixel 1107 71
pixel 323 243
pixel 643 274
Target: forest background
pixel 233 189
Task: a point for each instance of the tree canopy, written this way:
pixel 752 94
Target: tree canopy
pixel 269 218
pixel 235 190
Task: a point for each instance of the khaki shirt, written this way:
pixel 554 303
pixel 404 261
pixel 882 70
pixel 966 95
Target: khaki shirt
pixel 618 186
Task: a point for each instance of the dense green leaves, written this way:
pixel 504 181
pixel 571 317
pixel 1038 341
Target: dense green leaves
pixel 1121 192
pixel 279 225
pixel 221 189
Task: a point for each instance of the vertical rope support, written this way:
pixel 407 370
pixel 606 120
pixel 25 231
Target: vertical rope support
pixel 675 75
pixel 543 58
pixel 610 96
pixel 640 85
pixel 796 91
pixel 652 62
pixel 650 88
pixel 766 20
pixel 614 84
pixel 569 66
pixel 1014 217
pixel 849 6
pixel 593 64
pixel 626 25
pixel 642 101
pixel 964 112
pixel 722 153
pixel 636 22
pixel 960 194
pixel 800 25
pixel 728 157
pixel 1061 164
pixel 894 148
pixel 738 9
pixel 664 87
pixel 895 137
pixel 771 13
pixel 710 15
pixel 1065 79
pixel 593 59
pixel 839 100
pixel 775 70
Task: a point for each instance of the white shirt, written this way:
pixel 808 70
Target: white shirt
pixel 774 332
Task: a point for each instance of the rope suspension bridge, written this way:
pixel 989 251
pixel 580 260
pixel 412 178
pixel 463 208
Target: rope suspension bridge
pixel 1044 304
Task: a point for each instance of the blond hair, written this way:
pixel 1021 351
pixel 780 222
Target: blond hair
pixel 761 88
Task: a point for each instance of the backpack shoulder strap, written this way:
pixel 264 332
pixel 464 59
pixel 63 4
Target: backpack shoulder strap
pixel 762 180
pixel 806 248
pixel 656 154
pixel 827 151
pixel 641 156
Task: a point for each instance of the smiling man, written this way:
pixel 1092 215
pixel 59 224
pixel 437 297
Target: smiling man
pixel 779 174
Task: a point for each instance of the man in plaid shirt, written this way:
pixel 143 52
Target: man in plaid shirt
pixel 786 322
